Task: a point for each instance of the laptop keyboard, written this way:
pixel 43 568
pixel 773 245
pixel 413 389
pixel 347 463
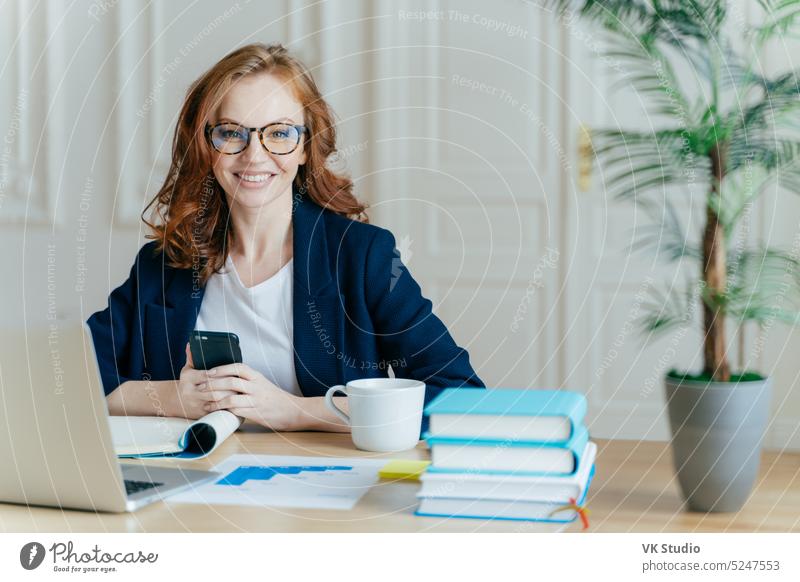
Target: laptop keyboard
pixel 132 487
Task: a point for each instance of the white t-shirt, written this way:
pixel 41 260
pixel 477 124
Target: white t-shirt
pixel 260 315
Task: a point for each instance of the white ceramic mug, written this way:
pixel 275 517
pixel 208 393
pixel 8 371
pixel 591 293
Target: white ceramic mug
pixel 385 413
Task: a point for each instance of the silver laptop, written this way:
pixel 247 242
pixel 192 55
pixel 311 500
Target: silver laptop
pixel 55 442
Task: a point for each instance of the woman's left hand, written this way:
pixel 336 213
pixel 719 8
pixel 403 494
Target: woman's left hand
pixel 256 398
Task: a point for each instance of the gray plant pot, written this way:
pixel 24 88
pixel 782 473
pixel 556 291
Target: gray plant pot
pixel 717 429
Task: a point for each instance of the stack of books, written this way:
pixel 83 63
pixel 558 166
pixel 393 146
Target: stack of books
pixel 507 454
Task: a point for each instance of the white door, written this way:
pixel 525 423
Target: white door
pixel 468 175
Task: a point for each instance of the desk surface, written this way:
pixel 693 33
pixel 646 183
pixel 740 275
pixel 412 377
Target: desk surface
pixel 633 490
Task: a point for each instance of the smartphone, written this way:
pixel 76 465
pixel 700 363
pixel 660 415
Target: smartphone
pixel 214 348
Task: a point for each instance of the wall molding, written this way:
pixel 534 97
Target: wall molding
pixel 136 111
pixel 30 191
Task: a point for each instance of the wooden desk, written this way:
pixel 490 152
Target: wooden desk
pixel 636 490
pixel 387 507
pixel 633 490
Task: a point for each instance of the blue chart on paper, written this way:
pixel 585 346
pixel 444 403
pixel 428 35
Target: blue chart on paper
pixel 241 475
pixel 287 481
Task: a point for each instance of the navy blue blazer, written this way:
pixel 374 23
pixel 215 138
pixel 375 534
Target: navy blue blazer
pixel 357 311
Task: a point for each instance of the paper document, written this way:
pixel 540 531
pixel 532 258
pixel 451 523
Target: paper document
pixel 282 481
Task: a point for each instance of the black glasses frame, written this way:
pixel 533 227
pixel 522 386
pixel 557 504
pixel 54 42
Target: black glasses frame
pixel 301 129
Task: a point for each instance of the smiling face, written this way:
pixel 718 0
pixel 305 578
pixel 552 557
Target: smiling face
pixel 256 177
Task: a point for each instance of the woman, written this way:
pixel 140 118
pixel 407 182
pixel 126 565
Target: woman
pixel 255 235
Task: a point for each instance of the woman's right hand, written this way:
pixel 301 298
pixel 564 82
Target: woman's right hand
pixel 190 401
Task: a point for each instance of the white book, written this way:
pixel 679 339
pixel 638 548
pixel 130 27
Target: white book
pixel 496 456
pixel 551 489
pixel 508 426
pixel 520 502
pixel 156 436
pixel 509 459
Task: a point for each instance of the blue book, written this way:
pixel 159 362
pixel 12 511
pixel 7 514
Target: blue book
pixel 541 489
pixel 508 456
pixel 501 413
pixel 502 509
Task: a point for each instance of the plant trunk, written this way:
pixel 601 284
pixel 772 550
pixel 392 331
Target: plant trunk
pixel 715 275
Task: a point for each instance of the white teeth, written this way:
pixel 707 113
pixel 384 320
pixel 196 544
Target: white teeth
pixel 255 177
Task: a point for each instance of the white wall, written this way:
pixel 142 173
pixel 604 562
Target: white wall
pixel 459 123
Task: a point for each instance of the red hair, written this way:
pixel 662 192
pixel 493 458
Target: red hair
pixel 190 212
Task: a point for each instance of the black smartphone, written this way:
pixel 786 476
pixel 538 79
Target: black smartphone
pixel 214 348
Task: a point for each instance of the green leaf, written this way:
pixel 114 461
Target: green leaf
pixel 762 281
pixel 651 74
pixel 740 189
pixel 781 20
pixel 768 152
pixel 665 312
pixel 665 234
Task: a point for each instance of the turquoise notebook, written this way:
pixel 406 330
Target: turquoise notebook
pixel 500 413
pixel 453 455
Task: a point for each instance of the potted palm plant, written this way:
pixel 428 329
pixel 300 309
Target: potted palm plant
pixel 730 132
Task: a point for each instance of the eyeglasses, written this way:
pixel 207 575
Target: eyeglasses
pixel 277 138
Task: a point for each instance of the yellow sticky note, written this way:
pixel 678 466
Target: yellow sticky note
pixel 403 469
